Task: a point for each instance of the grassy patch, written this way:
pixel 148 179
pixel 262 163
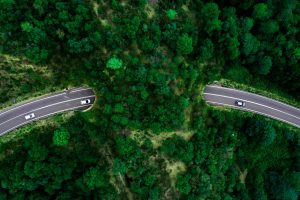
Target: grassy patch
pixel 157 140
pixel 22 80
pixel 174 169
pixel 150 11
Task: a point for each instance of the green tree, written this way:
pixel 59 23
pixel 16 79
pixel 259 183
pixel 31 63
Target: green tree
pixel 179 148
pixel 40 6
pixel 154 194
pixel 206 50
pixel 37 152
pixel 230 41
pixel 297 53
pixel 293 178
pixel 94 178
pixel 61 137
pixel 131 26
pixel 182 183
pixel 279 188
pixel 27 27
pixel 184 44
pixel 114 63
pixel 239 74
pixel 269 27
pixel 210 13
pixel 171 14
pixel 120 167
pixel 247 24
pixel 233 47
pixel 261 132
pixel 119 108
pixel 146 44
pixel 265 64
pixel 261 11
pixel 250 44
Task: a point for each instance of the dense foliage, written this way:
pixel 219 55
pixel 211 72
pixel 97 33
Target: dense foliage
pixel 150 134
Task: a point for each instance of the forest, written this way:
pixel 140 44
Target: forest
pixel 150 135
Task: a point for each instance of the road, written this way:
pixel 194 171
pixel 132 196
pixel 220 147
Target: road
pixel 14 117
pixel 222 96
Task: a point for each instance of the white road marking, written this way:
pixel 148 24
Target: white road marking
pixel 253 103
pixel 242 108
pixel 28 121
pixel 20 106
pixel 236 90
pixel 78 89
pixel 46 107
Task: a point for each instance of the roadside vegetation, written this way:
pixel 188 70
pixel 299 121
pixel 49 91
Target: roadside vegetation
pixel 150 135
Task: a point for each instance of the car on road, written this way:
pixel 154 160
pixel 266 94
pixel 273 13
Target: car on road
pixel 239 103
pixel 30 116
pixel 85 101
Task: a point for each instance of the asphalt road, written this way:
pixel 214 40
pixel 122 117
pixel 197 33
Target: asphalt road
pixel 222 96
pixel 14 117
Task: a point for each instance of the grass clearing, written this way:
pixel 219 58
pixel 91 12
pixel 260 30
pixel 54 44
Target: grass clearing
pixel 150 11
pixel 157 140
pixel 174 169
pixel 22 80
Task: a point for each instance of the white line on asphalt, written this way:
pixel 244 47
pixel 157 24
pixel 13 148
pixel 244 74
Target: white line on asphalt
pixel 48 97
pixel 253 103
pixel 254 95
pixel 46 107
pixel 78 89
pixel 34 119
pixel 242 108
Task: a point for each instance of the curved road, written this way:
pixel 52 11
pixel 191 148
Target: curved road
pixel 218 95
pixel 14 117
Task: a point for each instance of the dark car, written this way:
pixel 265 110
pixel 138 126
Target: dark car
pixel 85 101
pixel 239 103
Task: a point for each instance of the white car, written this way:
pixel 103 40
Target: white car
pixel 85 101
pixel 239 103
pixel 29 116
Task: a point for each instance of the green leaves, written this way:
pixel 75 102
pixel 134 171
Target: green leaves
pixel 94 178
pixel 114 63
pixel 261 132
pixel 265 65
pixel 269 27
pixel 206 50
pixel 178 148
pixel 171 14
pixel 119 108
pixel 119 167
pixel 182 183
pixel 210 14
pixel 297 53
pixel 261 11
pixel 184 44
pixel 26 26
pixel 250 44
pixel 7 2
pixel 131 26
pixel 280 188
pixel 37 152
pixel 61 137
